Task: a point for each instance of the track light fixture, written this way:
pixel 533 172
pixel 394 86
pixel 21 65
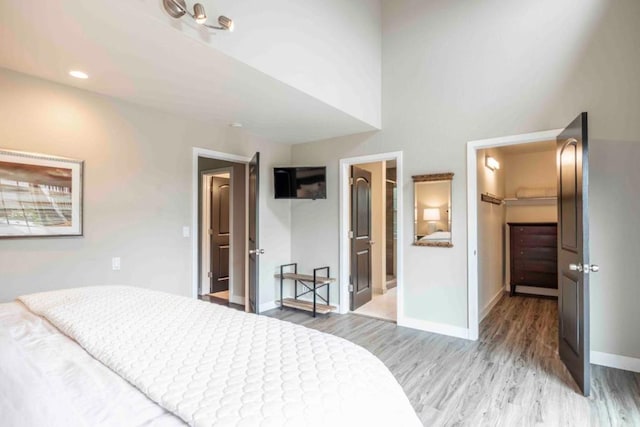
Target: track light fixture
pixel 178 8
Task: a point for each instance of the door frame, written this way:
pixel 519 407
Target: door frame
pixel 195 226
pixel 205 253
pixel 472 213
pixel 345 225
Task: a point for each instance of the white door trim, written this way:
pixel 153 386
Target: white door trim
pixel 206 237
pixel 195 227
pixel 472 212
pixel 345 202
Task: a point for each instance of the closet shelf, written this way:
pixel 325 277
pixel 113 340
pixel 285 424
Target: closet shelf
pixel 532 201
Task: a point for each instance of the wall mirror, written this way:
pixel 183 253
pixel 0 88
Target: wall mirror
pixel 432 210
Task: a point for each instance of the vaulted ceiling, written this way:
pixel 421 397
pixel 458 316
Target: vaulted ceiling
pixel 134 52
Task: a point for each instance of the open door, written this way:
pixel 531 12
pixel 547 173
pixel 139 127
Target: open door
pixel 360 285
pixel 573 251
pixel 252 243
pixel 220 232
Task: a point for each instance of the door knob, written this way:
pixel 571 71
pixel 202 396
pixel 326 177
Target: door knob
pixel 575 267
pixel 586 268
pixel 371 242
pixel 256 251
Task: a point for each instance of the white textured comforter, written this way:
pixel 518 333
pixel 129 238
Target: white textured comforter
pixel 211 365
pixel 47 380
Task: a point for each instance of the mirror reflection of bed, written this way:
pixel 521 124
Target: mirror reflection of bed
pixel 437 236
pixel 432 206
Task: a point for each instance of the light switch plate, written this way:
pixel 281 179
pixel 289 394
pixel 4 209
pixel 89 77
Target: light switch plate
pixel 115 263
pixel 186 231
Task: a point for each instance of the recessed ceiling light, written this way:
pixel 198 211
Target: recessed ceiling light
pixel 78 74
pixel 235 125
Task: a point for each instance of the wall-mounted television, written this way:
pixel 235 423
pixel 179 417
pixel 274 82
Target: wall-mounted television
pixel 300 183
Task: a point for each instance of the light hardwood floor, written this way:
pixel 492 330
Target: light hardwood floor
pixel 511 376
pixel 381 306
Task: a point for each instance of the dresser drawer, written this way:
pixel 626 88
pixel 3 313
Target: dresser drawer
pixel 534 240
pixel 535 252
pixel 534 265
pixel 532 278
pixel 551 230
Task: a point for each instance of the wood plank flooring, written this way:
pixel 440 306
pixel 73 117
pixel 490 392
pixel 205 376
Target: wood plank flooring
pixel 511 376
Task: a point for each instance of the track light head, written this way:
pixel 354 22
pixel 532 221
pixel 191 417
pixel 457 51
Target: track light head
pixel 225 23
pixel 199 15
pixel 175 8
pixel 178 8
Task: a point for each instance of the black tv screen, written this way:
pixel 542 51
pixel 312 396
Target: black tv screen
pixel 300 183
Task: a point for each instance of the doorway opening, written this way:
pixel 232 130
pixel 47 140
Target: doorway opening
pixel 517 223
pixel 474 161
pixel 370 253
pixel 225 228
pixel 222 231
pixel 522 236
pixel 217 278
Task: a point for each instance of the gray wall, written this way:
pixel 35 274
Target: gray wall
pixel 137 190
pixel 491 232
pixel 615 246
pixel 460 71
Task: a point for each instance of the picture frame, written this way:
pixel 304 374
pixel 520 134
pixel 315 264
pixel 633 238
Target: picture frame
pixel 40 195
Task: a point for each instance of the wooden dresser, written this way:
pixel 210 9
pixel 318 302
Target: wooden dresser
pixel 533 254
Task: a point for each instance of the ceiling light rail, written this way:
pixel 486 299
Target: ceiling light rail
pixel 178 8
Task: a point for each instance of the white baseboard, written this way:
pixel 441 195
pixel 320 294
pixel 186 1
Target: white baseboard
pixel 615 361
pixel 438 328
pixel 266 306
pixel 537 291
pixel 487 308
pixel 533 290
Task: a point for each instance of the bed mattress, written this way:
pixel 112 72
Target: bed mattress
pixel 213 366
pixel 47 379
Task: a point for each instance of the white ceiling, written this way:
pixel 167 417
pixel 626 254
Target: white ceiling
pixel 138 58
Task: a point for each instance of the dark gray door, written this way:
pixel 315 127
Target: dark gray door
pixel 254 251
pixel 360 286
pixel 220 233
pixel 573 251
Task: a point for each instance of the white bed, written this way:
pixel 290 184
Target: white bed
pixel 116 356
pixel 46 379
pixel 438 236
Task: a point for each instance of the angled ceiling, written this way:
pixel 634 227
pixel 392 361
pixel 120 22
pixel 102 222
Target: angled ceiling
pixel 141 59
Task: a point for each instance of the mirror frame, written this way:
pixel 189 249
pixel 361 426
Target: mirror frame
pixel 430 178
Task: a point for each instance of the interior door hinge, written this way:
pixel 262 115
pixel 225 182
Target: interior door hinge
pixel 211 231
pixel 210 274
pixel 351 234
pixel 350 288
pixel 351 181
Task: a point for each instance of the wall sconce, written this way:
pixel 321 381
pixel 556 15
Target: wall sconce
pixel 431 215
pixel 491 163
pixel 178 8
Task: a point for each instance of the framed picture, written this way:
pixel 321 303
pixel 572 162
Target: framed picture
pixel 40 195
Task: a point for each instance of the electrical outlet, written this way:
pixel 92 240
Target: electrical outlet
pixel 115 263
pixel 186 232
